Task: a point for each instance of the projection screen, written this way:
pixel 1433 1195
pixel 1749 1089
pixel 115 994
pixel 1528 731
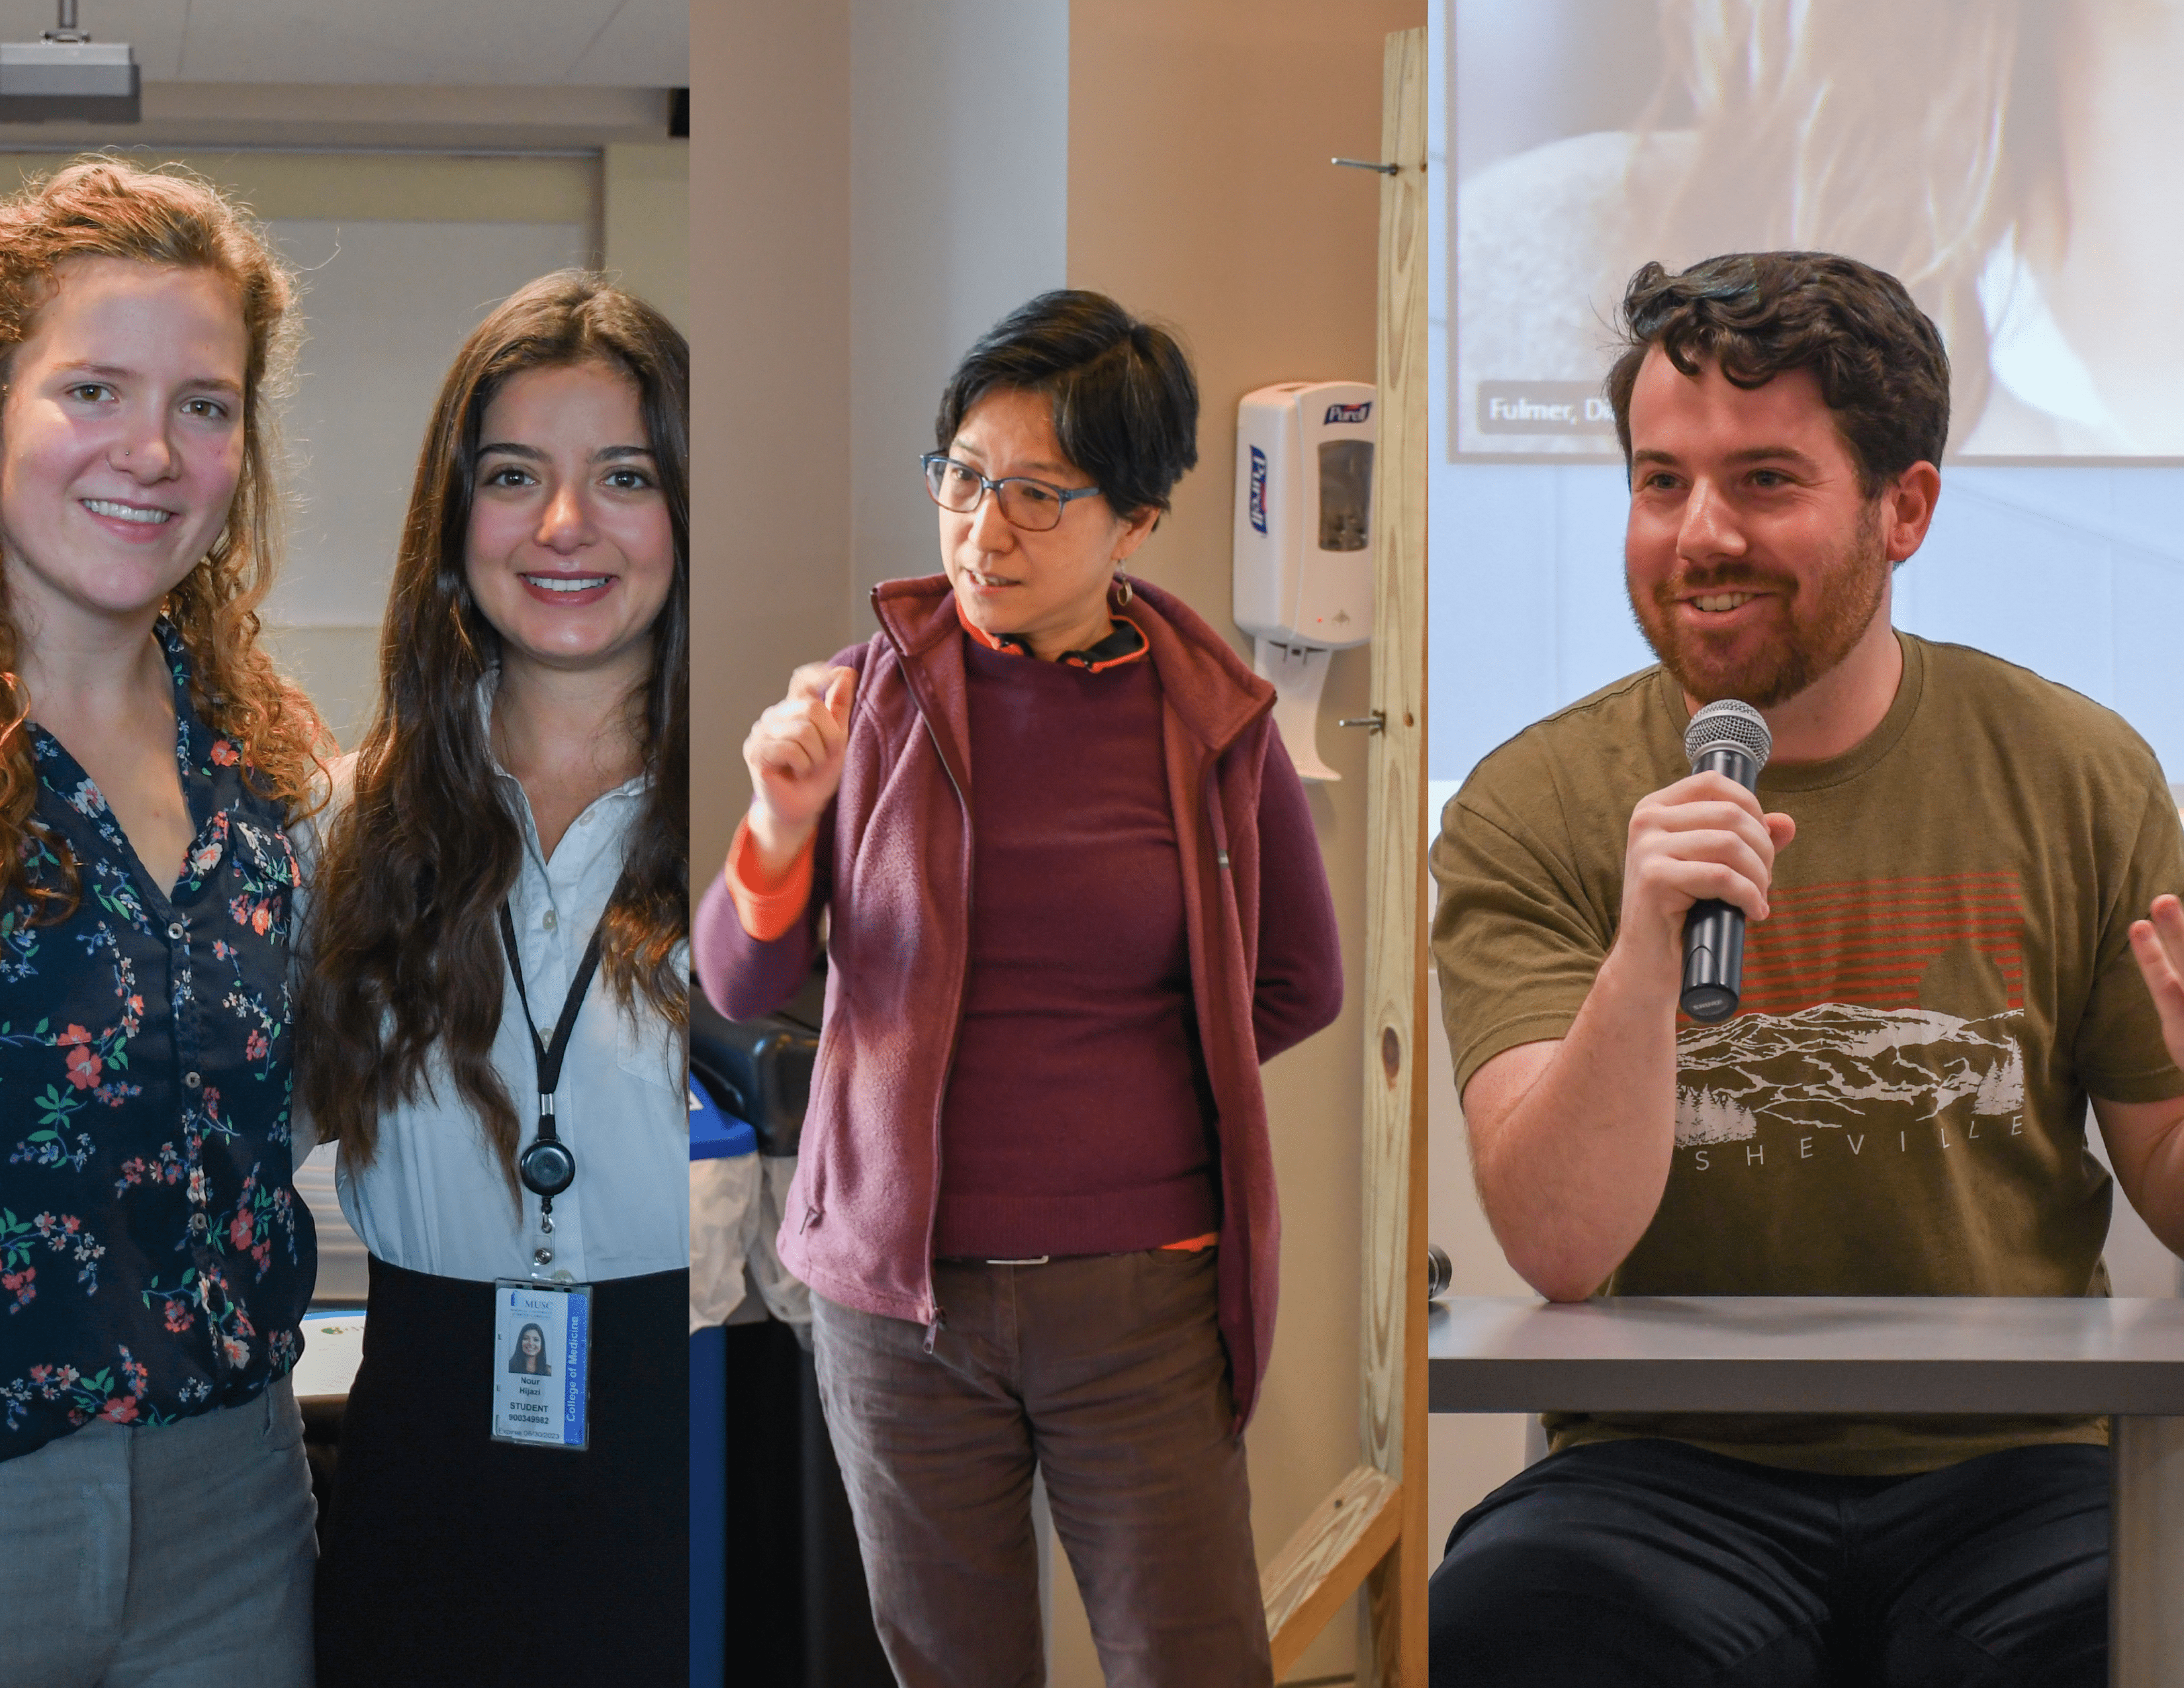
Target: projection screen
pixel 2013 161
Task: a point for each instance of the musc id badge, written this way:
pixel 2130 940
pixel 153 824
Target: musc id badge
pixel 542 1355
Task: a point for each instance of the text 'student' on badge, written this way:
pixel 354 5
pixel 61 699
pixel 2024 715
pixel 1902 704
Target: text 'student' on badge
pixel 542 1355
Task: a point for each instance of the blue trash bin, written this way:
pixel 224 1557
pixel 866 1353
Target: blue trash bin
pixel 714 1134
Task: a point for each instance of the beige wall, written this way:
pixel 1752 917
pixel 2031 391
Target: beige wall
pixel 1469 1455
pixel 770 375
pixel 1199 193
pixel 644 223
pixel 948 233
pixel 390 187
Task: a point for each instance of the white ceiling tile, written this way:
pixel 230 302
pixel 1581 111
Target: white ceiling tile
pixel 645 45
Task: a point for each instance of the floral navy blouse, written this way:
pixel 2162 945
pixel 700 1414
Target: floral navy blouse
pixel 154 1262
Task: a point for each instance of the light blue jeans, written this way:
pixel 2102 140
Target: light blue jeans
pixel 179 1557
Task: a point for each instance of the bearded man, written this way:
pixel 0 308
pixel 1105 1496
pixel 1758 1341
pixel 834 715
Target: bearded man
pixel 1941 872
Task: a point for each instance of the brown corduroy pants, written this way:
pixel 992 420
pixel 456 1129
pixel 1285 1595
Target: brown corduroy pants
pixel 1107 1373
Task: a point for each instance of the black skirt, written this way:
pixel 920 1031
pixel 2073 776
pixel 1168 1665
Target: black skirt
pixel 448 1557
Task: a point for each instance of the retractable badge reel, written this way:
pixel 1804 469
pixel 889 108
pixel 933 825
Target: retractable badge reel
pixel 548 1165
pixel 543 1325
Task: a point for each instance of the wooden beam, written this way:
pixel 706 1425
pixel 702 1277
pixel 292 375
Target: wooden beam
pixel 1392 1419
pixel 1373 1526
pixel 1349 1533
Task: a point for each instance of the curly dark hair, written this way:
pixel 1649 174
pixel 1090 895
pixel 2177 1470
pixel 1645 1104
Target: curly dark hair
pixel 404 939
pixel 1125 401
pixel 1878 357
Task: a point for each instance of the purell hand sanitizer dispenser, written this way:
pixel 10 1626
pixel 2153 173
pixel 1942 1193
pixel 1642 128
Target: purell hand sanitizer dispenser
pixel 1304 543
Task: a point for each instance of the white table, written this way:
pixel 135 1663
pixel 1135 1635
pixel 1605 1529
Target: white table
pixel 333 1349
pixel 1818 1354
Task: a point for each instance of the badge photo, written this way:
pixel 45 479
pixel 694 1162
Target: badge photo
pixel 542 1339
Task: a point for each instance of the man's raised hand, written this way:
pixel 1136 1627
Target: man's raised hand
pixel 2156 944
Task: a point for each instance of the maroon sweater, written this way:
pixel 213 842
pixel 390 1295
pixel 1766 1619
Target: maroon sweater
pixel 1078 1116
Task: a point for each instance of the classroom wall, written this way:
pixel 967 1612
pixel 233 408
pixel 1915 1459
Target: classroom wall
pixel 645 222
pixel 1200 193
pixel 770 370
pixel 959 177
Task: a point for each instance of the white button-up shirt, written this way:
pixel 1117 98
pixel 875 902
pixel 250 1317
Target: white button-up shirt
pixel 435 1199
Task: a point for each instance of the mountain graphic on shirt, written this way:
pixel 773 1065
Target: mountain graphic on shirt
pixel 1837 1065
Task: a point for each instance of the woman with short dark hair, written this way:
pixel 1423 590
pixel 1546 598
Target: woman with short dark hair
pixel 1073 899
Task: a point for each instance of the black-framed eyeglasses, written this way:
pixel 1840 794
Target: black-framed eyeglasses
pixel 1031 505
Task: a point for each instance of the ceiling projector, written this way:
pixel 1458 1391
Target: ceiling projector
pixel 65 75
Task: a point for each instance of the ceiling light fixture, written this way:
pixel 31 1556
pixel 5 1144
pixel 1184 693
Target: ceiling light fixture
pixel 68 76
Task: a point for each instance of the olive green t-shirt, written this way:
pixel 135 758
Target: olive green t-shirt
pixel 1898 1107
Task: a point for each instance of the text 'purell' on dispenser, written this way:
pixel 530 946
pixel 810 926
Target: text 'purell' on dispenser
pixel 1304 543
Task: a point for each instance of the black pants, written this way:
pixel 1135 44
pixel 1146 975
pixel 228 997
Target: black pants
pixel 450 1558
pixel 1653 1563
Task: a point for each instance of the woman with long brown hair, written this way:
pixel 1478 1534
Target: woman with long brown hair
pixel 495 1016
pixel 155 1508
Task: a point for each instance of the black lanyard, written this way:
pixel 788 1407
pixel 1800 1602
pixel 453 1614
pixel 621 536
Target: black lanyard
pixel 548 1167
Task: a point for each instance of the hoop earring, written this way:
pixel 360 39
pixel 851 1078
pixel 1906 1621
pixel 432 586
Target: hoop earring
pixel 1124 592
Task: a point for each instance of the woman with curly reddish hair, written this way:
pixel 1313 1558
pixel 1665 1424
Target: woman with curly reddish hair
pixel 155 1507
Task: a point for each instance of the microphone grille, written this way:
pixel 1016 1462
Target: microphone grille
pixel 1730 724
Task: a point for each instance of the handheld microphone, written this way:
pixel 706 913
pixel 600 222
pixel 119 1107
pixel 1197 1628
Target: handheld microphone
pixel 1728 738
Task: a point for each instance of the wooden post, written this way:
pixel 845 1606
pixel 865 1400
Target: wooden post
pixel 1373 1526
pixel 1393 1417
